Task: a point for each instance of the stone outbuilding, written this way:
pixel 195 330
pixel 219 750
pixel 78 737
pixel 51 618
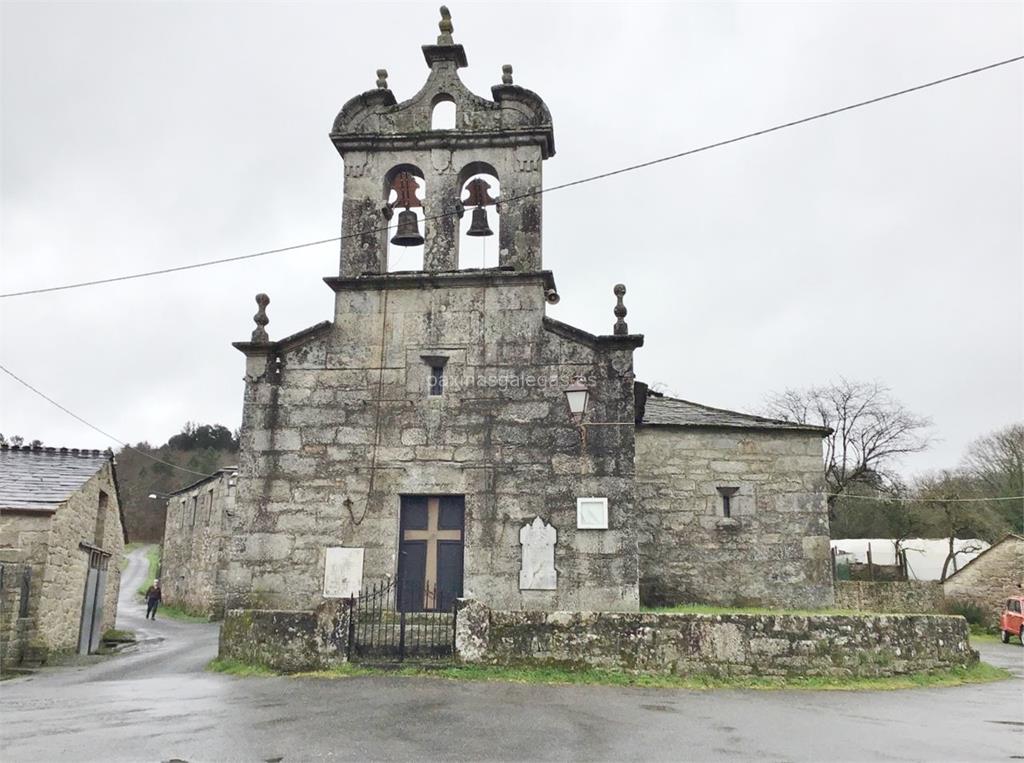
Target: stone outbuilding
pixel 443 432
pixel 194 558
pixel 61 544
pixel 989 579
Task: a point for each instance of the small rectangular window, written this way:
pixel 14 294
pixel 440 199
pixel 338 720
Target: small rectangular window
pixel 436 380
pixel 195 506
pixel 101 519
pixel 727 493
pixel 209 506
pixel 26 591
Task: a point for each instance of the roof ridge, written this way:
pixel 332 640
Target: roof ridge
pixel 54 451
pixel 737 413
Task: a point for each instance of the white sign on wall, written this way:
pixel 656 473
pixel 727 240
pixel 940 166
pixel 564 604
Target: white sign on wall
pixel 343 572
pixel 592 513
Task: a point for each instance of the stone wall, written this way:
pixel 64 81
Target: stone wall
pixel 337 426
pixel 991 577
pixel 24 542
pixel 726 645
pixel 193 560
pixel 14 629
pixel 51 544
pixel 286 640
pixel 896 596
pixel 774 550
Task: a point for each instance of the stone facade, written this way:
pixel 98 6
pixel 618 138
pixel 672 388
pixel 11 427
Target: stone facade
pixel 335 431
pixel 56 540
pixel 343 428
pixel 896 596
pixel 724 645
pixel 996 574
pixel 194 558
pixel 772 550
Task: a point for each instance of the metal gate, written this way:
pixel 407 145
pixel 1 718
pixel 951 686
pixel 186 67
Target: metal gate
pixel 380 628
pixel 91 629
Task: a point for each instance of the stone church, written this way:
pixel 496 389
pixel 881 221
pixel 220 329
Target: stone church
pixel 442 433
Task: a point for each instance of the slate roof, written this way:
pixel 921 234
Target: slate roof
pixel 669 411
pixel 40 479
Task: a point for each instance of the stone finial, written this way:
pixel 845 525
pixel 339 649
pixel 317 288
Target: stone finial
pixel 620 310
pixel 259 334
pixel 445 25
pixel 382 79
pixel 506 74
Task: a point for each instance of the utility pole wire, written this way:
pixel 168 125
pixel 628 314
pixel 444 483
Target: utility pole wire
pixel 529 194
pixel 74 415
pixel 202 474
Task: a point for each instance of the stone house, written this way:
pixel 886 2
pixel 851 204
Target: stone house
pixel 193 559
pixel 991 577
pixel 443 432
pixel 61 539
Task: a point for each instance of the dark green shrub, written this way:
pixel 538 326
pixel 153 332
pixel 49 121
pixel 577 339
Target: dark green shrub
pixel 971 611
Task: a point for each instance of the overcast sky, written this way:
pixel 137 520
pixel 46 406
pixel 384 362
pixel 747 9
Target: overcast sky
pixel 883 244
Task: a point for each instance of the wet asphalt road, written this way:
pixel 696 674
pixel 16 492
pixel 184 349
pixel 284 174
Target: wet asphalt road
pixel 157 704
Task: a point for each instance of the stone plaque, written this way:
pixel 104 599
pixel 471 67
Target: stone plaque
pixel 538 568
pixel 343 572
pixel 592 513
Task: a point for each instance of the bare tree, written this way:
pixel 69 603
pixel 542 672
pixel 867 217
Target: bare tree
pixel 995 463
pixel 870 429
pixel 945 494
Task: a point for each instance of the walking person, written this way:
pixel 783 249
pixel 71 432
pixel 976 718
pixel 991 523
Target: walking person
pixel 153 599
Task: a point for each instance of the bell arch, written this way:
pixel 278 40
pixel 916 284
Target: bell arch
pixel 404 190
pixel 443 112
pixel 480 226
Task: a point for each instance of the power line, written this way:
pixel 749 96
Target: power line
pixel 74 415
pixel 529 194
pixel 202 474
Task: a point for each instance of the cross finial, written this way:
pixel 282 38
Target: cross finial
pixel 445 25
pixel 506 74
pixel 620 310
pixel 382 79
pixel 259 334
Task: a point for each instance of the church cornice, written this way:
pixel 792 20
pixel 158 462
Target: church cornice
pixel 605 341
pixel 447 139
pixel 287 343
pixel 418 279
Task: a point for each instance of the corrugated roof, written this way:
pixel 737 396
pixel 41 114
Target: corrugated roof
pixel 40 479
pixel 669 411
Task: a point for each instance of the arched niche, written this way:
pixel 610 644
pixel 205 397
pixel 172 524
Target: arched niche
pixel 443 113
pixel 479 251
pixel 403 257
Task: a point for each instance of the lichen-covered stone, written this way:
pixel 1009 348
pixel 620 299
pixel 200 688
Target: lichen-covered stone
pixel 773 550
pixel 727 644
pixel 287 640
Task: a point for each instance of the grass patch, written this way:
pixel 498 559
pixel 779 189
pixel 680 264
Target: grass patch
pixel 980 673
pixel 153 559
pixel 707 609
pixel 120 636
pixel 172 612
pixel 237 668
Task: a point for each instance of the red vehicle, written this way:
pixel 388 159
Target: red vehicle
pixel 1011 623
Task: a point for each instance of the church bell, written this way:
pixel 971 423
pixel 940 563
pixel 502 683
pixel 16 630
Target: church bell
pixel 408 233
pixel 479 226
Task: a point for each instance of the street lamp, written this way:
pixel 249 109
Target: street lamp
pixel 577 394
pixel 155 496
